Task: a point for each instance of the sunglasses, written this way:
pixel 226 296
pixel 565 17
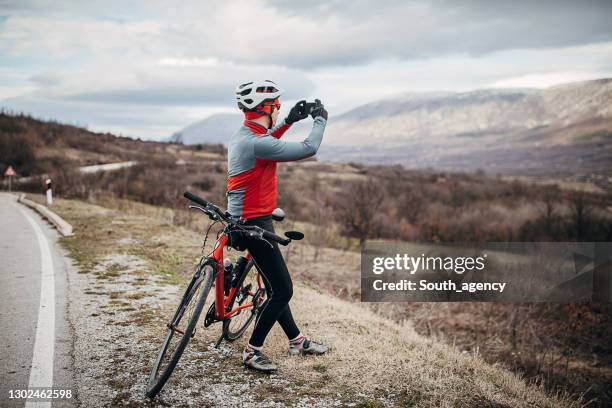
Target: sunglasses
pixel 276 105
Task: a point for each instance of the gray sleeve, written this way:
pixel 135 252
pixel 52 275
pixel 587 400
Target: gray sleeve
pixel 278 126
pixel 270 148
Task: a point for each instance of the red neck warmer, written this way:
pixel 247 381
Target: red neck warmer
pixel 255 127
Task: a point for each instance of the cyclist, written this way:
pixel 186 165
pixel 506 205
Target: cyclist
pixel 253 153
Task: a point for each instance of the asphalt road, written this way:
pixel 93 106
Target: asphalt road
pixel 36 339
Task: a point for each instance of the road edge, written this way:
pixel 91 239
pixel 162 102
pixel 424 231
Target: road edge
pixel 58 222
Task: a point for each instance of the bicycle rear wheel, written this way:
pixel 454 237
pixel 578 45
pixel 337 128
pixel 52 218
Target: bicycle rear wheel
pixel 247 291
pixel 181 328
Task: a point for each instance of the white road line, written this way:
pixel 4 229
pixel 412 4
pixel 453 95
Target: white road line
pixel 41 374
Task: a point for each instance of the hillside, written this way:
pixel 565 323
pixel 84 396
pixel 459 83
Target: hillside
pixel 412 205
pixel 562 131
pixel 212 130
pixel 35 146
pixel 519 132
pixel 131 265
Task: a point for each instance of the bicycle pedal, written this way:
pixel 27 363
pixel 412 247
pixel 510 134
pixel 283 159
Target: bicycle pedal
pixel 210 316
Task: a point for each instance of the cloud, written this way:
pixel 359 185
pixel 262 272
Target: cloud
pixel 148 122
pixel 336 34
pixel 548 79
pixel 344 88
pixel 323 34
pixel 114 64
pixel 181 84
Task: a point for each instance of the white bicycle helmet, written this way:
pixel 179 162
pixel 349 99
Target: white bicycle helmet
pixel 252 94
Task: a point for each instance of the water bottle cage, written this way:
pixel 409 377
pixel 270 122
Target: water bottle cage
pixel 227 282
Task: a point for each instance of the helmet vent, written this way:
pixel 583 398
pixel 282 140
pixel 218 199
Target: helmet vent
pixel 266 89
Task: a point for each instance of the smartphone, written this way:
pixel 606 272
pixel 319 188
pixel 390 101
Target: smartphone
pixel 309 107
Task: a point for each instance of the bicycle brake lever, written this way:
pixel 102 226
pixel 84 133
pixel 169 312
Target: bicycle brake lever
pixel 212 215
pixel 259 235
pixel 267 242
pixel 198 208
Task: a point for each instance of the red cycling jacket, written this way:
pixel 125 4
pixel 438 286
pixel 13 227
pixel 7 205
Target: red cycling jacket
pixel 253 152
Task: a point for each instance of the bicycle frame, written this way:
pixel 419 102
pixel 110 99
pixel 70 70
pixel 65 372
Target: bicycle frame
pixel 222 301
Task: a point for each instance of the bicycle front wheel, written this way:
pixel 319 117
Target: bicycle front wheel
pixel 180 329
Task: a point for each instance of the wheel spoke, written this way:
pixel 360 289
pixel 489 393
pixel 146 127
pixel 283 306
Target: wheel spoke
pixel 248 292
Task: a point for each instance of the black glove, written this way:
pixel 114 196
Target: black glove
pixel 297 113
pixel 318 110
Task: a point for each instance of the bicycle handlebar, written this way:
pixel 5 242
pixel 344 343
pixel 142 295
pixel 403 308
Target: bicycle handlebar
pixel 265 234
pixel 195 199
pixel 199 200
pixel 276 238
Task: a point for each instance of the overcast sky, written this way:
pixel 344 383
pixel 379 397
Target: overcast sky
pixel 147 68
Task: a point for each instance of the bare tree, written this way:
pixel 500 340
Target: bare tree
pixel 359 209
pixel 412 203
pixel 581 215
pixel 321 217
pixel 549 211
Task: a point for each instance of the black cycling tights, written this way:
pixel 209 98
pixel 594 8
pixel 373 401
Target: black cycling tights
pixel 279 287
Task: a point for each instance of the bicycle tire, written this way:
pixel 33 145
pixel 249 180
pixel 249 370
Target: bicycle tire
pixel 157 380
pixel 228 333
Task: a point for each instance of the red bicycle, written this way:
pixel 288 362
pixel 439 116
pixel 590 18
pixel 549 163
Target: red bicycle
pixel 238 296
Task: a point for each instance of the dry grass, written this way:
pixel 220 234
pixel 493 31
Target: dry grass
pixel 584 186
pixel 375 354
pixel 370 354
pixel 101 232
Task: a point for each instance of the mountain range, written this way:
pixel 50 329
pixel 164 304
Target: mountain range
pixel 212 130
pixel 563 130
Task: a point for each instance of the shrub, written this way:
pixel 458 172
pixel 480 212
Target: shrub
pixel 17 151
